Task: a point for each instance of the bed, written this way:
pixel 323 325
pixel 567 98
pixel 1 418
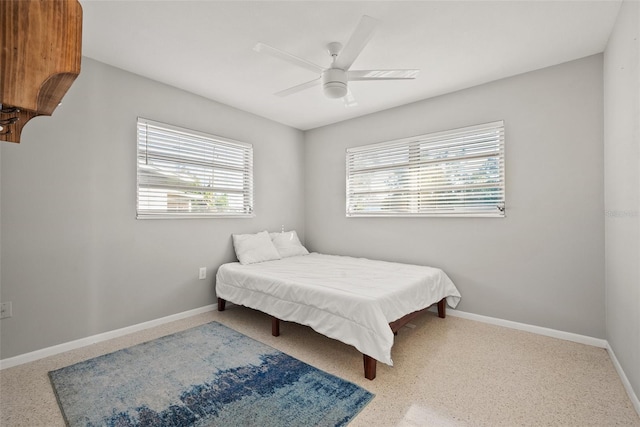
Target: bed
pixel 358 301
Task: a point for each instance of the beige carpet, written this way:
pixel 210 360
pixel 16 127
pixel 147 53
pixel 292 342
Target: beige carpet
pixel 447 372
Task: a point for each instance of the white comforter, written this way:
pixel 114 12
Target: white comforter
pixel 349 299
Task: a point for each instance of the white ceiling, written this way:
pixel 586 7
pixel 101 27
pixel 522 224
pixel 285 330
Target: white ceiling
pixel 206 47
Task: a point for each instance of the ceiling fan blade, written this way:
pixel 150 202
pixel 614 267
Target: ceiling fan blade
pixel 285 56
pixel 299 87
pixel 382 74
pixel 349 100
pixel 359 39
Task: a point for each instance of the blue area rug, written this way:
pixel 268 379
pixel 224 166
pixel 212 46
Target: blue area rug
pixel 205 376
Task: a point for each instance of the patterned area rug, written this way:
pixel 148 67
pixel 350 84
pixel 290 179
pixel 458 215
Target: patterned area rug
pixel 205 376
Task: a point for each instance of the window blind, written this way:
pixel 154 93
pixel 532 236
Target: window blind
pixel 458 172
pixel 188 174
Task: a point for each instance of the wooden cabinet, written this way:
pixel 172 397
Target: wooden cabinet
pixel 41 43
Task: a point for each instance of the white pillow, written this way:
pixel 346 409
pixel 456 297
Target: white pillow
pixel 252 248
pixel 288 244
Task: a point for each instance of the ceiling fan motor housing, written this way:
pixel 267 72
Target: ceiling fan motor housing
pixel 334 82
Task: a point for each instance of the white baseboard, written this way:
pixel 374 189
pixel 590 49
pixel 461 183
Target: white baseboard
pixel 624 379
pixel 569 336
pixel 582 339
pixel 72 345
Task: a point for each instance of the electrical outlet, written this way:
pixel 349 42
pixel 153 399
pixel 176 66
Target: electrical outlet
pixel 6 310
pixel 203 273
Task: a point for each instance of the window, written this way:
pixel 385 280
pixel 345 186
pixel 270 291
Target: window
pixel 188 174
pixel 453 173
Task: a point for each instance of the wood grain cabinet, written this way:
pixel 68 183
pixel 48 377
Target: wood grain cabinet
pixel 41 44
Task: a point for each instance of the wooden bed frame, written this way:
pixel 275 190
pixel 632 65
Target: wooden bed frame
pixel 369 362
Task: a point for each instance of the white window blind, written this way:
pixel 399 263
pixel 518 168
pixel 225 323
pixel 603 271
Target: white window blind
pixel 188 174
pixel 452 173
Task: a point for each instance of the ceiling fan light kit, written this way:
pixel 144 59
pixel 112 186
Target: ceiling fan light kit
pixel 335 78
pixel 334 83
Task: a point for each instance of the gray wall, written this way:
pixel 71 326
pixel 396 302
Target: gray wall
pixel 75 261
pixel 622 190
pixel 544 263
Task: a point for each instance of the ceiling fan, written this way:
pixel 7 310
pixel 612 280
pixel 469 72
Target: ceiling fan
pixel 335 79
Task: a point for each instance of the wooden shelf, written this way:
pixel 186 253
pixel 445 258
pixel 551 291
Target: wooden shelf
pixel 40 58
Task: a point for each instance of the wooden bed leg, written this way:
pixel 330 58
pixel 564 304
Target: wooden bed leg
pixel 275 326
pixel 442 308
pixel 221 304
pixel 369 367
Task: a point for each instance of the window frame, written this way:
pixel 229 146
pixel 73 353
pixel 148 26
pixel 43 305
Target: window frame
pixel 201 143
pixel 404 184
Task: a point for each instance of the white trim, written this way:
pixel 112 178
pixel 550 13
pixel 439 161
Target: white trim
pixel 625 381
pixel 72 345
pixel 83 342
pixel 568 336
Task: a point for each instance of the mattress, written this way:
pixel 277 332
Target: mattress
pixel 349 299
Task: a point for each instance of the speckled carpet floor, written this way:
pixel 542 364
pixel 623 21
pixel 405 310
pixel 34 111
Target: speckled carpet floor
pixel 447 372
